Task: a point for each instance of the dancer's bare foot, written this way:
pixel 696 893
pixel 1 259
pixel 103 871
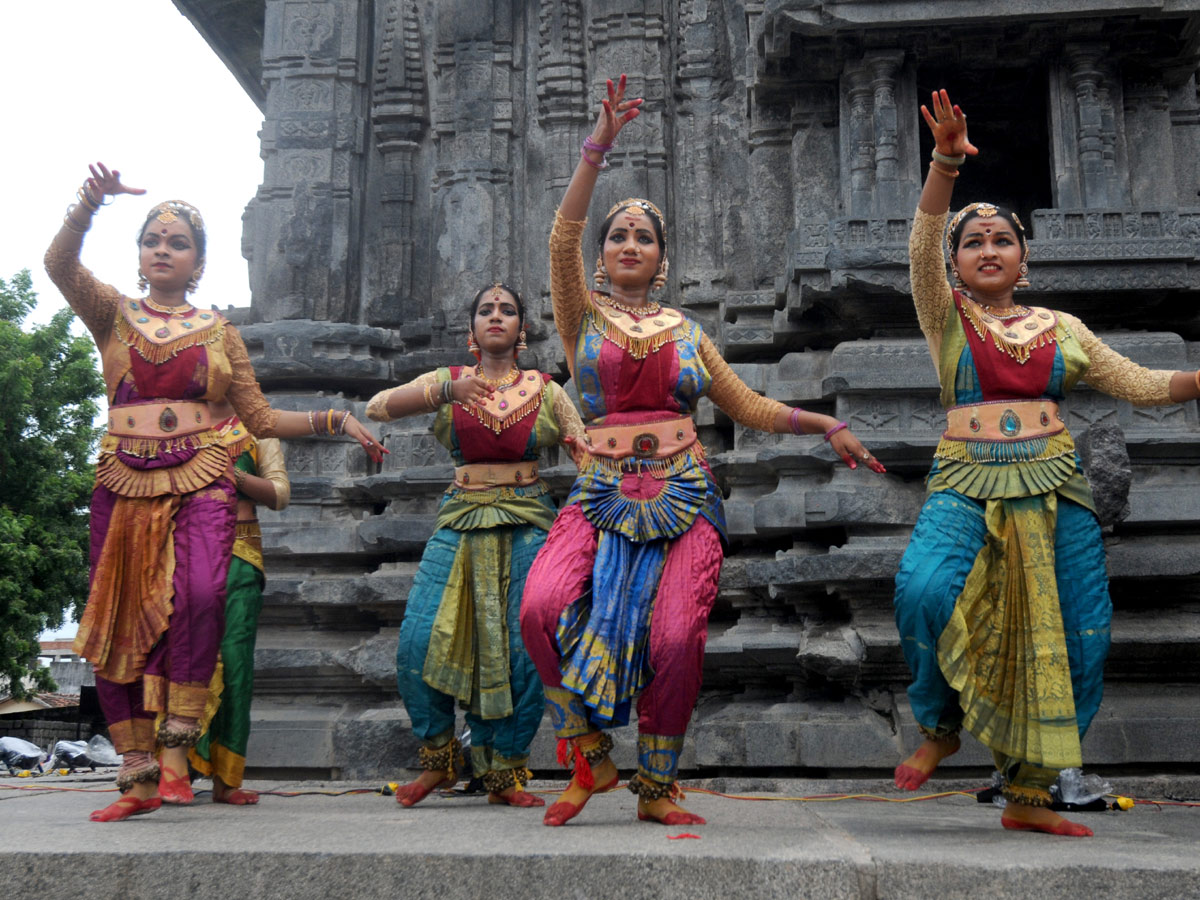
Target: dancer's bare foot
pixel 173 783
pixel 514 796
pixel 1021 817
pixel 138 800
pixel 915 771
pixel 571 801
pixel 666 811
pixel 430 780
pixel 223 793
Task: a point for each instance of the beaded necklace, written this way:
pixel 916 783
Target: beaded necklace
pixel 650 309
pixel 500 384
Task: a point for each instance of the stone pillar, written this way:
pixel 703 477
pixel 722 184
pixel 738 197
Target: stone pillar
pixel 399 118
pixel 890 193
pixel 1090 161
pixel 304 262
pixel 564 114
pixel 858 139
pixel 477 66
pixel 1151 154
pixel 630 36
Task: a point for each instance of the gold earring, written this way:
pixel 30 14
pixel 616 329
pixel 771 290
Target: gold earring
pixel 521 345
pixel 1023 280
pixel 143 282
pixel 660 277
pixel 958 282
pixel 601 274
pixel 473 347
pixel 194 281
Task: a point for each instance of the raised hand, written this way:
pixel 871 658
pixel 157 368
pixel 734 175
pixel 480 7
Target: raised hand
pixel 949 126
pixel 105 182
pixel 615 114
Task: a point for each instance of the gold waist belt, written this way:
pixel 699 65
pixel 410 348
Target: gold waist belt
pixel 1003 420
pixel 481 476
pixel 158 420
pixel 651 440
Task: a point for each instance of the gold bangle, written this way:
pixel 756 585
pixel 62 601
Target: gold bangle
pixel 85 198
pixel 73 226
pixel 1196 378
pixel 944 170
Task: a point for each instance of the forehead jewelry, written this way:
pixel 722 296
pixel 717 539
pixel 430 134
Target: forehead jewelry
pixel 171 210
pixel 636 206
pixel 983 210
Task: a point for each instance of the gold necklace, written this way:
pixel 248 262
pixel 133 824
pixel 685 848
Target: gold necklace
pixel 183 310
pixel 511 378
pixel 650 309
pixel 1003 312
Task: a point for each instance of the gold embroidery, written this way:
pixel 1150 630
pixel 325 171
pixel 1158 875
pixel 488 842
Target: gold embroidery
pixel 508 407
pixel 637 337
pixel 1017 338
pixel 157 341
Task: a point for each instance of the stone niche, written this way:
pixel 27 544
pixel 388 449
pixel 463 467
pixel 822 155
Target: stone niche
pixel 416 150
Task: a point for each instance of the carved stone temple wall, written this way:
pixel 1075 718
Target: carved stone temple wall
pixel 415 150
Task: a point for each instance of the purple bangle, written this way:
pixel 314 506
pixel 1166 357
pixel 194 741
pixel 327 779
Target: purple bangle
pixel 587 159
pixel 835 429
pixel 589 144
pixel 794 421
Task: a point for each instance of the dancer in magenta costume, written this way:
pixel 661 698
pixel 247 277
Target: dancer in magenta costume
pixel 617 602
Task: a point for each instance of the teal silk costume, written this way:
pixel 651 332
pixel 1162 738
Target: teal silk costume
pixel 1002 599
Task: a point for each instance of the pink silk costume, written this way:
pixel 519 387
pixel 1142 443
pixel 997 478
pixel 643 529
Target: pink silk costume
pixel 639 541
pixel 163 511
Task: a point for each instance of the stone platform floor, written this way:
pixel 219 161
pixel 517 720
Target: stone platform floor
pixel 456 846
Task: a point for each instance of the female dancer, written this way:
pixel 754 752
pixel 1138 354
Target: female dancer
pixel 460 638
pixel 163 509
pixel 1001 598
pixel 617 602
pixel 260 476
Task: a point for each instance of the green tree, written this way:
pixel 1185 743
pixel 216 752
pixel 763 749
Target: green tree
pixel 48 390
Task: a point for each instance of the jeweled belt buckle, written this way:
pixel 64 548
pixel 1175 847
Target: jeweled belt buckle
pixel 645 445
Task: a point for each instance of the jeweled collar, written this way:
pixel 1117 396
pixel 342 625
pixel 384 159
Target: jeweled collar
pixel 187 320
pixel 508 406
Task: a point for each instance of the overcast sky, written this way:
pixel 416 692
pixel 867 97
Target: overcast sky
pixel 130 83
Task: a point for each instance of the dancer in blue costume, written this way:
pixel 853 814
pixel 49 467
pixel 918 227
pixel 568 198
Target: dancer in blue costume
pixel 1002 598
pixel 461 638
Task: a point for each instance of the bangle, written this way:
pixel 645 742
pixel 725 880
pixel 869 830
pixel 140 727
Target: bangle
pixel 835 429
pixel 85 197
pixel 943 170
pixel 603 164
pixel 1197 378
pixel 239 479
pixel 71 225
pixel 448 391
pixel 430 402
pixel 952 161
pixel 341 425
pixel 312 425
pixel 794 421
pixel 589 144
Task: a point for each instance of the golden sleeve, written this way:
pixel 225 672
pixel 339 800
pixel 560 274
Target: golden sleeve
pixel 565 413
pixel 931 292
pixel 1117 375
pixel 568 286
pixel 244 394
pixel 734 396
pixel 377 405
pixel 271 467
pixel 89 298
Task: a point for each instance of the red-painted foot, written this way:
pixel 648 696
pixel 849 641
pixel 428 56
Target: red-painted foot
pixel 516 798
pixel 1064 827
pixel 236 797
pixel 414 792
pixel 563 811
pixel 127 806
pixel 175 789
pixel 677 817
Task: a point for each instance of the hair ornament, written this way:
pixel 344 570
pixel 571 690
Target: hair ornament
pixel 639 207
pixel 170 210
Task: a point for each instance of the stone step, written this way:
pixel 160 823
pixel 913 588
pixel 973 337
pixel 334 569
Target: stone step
pixel 315 847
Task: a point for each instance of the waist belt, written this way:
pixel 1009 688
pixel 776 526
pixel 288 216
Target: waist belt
pixel 159 420
pixel 481 476
pixel 651 440
pixel 1003 420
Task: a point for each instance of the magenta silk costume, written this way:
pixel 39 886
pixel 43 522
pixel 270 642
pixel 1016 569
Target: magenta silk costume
pixel 163 509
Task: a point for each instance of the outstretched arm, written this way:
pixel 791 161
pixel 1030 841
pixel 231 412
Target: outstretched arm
pixel 932 294
pixel 568 284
